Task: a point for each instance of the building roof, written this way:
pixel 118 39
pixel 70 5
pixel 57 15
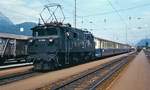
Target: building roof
pixel 110 41
pixel 14 36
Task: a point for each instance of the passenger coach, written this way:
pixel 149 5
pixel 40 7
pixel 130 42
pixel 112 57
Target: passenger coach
pixel 108 48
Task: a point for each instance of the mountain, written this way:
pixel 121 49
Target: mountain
pixel 26 28
pixel 5 20
pixel 7 26
pixel 143 42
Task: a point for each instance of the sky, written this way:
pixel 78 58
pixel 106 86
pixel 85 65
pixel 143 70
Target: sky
pixel 126 21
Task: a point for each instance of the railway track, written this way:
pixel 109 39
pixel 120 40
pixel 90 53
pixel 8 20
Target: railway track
pixel 17 76
pixel 147 53
pixel 77 80
pixel 12 73
pixel 91 79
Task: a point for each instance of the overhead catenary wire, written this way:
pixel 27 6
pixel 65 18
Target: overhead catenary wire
pixel 112 12
pixel 97 14
pixel 121 18
pixel 92 15
pixel 119 10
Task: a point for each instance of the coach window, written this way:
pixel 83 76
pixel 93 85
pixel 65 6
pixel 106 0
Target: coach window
pixel 104 44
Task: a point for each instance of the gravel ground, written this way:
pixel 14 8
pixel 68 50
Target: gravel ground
pixel 135 77
pixel 14 71
pixel 51 77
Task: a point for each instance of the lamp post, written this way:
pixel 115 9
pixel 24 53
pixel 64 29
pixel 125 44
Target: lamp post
pixel 146 36
pixel 146 26
pixel 75 13
pixel 91 26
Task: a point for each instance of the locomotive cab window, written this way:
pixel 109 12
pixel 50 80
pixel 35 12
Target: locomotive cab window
pixel 52 31
pixel 38 33
pixel 45 32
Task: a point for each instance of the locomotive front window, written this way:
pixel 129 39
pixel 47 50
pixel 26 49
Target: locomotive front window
pixel 45 32
pixel 38 33
pixel 41 33
pixel 51 31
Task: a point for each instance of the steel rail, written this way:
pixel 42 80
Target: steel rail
pixel 84 75
pixel 16 77
pixel 108 75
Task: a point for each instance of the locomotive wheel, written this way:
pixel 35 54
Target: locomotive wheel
pixel 51 64
pixel 71 61
pixel 57 64
pixel 75 60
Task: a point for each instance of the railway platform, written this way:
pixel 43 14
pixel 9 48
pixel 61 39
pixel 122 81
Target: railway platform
pixel 135 77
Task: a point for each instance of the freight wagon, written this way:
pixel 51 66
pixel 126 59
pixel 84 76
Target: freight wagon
pixel 13 47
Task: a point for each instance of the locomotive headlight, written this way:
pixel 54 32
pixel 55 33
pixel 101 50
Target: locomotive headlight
pixel 50 40
pixel 30 40
pixel 67 33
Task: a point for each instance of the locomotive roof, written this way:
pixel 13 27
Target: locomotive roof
pixel 56 25
pixel 41 26
pixel 14 36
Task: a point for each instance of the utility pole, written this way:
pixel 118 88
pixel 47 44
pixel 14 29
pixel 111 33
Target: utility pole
pixel 75 18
